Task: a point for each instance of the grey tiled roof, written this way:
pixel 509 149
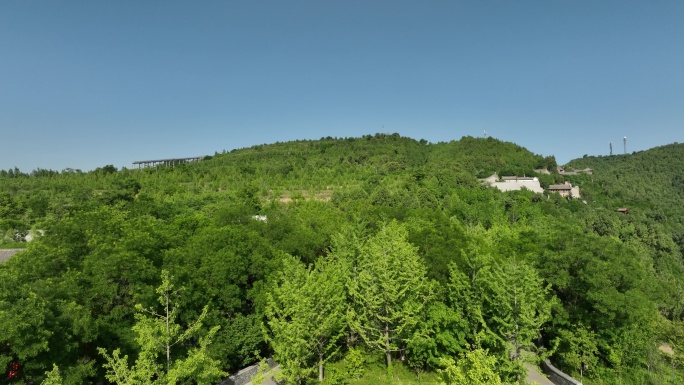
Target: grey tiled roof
pixel 5 254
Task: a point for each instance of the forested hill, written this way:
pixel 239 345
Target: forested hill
pixel 379 259
pixel 330 161
pixel 649 183
pixel 280 170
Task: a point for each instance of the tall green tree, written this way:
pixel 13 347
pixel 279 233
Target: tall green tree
pixel 391 290
pixel 288 324
pixel 305 312
pixel 157 333
pixel 517 303
pixel 578 349
pixel 328 297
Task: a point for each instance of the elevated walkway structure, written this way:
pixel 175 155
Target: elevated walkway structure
pixel 166 162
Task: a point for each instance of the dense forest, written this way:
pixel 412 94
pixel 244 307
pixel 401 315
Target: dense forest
pixel 379 259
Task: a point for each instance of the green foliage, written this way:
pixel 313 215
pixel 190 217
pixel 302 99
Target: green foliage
pixel 647 183
pixel 389 291
pixel 376 374
pixel 305 312
pixel 475 368
pixel 464 266
pixel 355 360
pixel 260 376
pixel 516 303
pixel 577 349
pixel 157 334
pixel 53 377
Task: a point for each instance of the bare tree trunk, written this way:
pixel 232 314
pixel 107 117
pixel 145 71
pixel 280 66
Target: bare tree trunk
pixel 387 346
pixel 517 325
pixel 517 328
pixel 168 335
pixel 320 367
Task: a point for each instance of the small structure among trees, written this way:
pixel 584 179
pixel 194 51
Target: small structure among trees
pixel 565 190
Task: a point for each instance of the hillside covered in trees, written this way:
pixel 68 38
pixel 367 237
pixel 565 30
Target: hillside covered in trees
pixel 344 258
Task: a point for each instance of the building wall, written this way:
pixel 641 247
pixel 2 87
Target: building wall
pixel 532 185
pixel 574 192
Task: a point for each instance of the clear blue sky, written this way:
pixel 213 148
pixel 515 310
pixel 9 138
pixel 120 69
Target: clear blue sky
pixel 84 84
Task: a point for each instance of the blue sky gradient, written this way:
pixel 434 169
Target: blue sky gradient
pixel 84 84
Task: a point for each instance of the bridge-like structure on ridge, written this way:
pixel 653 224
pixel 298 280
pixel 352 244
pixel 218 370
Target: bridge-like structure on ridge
pixel 166 162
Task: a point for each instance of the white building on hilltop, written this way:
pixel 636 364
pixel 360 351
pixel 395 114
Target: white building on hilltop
pixel 515 183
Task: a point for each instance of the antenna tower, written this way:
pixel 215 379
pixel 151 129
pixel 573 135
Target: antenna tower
pixel 624 141
pixel 611 148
